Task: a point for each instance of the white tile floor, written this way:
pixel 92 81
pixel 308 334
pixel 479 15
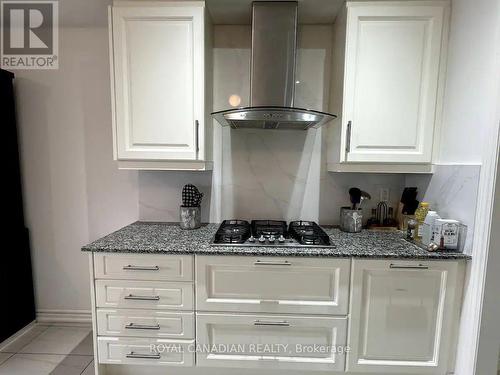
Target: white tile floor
pixel 50 350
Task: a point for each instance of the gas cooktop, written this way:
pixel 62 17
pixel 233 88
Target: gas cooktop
pixel 271 233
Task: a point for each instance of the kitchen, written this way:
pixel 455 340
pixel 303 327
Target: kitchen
pixel 247 174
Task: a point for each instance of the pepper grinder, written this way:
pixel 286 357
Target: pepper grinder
pixel 410 231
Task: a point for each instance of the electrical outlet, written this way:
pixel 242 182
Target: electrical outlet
pixel 384 194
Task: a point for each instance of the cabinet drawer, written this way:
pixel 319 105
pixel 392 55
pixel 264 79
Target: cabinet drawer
pixel 145 323
pixel 272 285
pixel 271 341
pixel 144 295
pixel 144 267
pixel 139 351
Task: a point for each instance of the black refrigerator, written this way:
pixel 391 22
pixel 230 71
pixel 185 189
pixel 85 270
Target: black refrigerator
pixel 18 305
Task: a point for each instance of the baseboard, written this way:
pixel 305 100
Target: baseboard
pixel 63 316
pixel 16 335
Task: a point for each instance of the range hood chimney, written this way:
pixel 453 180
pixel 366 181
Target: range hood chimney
pixel 272 82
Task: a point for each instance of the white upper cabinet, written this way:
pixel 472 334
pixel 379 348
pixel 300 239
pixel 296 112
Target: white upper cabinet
pixel 391 82
pixel 403 315
pixel 158 74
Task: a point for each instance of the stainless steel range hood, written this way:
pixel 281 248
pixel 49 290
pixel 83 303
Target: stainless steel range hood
pixel 272 82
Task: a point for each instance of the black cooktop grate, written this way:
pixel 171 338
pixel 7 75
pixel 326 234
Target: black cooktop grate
pixel 233 231
pixel 268 228
pixel 308 233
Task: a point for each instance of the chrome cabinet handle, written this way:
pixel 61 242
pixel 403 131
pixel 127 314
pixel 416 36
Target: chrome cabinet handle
pixel 143 298
pixel 409 266
pixel 348 138
pixel 271 263
pixel 142 326
pixel 143 356
pixel 282 323
pixel 197 125
pixel 131 267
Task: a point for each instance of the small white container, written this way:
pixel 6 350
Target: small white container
pixel 446 234
pixel 429 228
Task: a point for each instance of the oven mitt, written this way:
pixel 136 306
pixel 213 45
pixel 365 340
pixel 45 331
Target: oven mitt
pixel 191 196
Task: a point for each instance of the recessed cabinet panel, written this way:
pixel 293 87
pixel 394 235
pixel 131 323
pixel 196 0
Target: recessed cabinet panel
pixel 158 56
pixel 150 44
pixel 271 284
pixel 401 313
pixel 377 123
pixel 293 342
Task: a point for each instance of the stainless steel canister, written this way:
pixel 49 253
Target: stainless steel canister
pixel 190 217
pixel 351 220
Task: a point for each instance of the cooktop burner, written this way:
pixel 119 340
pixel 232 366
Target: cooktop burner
pixel 271 233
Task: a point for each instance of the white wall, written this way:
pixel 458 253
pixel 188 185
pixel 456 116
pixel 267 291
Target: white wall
pixel 469 136
pixel 73 192
pixel 470 92
pixel 470 97
pixel 489 345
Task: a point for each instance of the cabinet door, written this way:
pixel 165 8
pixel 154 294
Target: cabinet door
pixel 391 81
pixel 401 316
pixel 271 341
pixel 158 60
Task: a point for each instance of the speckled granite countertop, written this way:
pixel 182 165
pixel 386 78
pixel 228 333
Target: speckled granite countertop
pixel 168 238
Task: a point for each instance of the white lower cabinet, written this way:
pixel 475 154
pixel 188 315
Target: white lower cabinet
pixel 402 316
pixel 271 341
pixel 145 351
pixel 379 316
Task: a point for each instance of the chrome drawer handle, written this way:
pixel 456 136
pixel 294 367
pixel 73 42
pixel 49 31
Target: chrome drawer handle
pixel 271 263
pixel 143 298
pixel 130 267
pixel 142 326
pixel 143 356
pixel 409 266
pixel 282 323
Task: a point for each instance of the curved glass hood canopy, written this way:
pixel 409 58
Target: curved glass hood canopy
pixel 272 78
pixel 288 118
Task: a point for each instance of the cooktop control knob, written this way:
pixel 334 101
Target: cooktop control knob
pixel 262 238
pixel 251 239
pixel 272 239
pixel 281 239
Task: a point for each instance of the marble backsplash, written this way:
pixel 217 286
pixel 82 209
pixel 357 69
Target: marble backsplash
pixel 452 192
